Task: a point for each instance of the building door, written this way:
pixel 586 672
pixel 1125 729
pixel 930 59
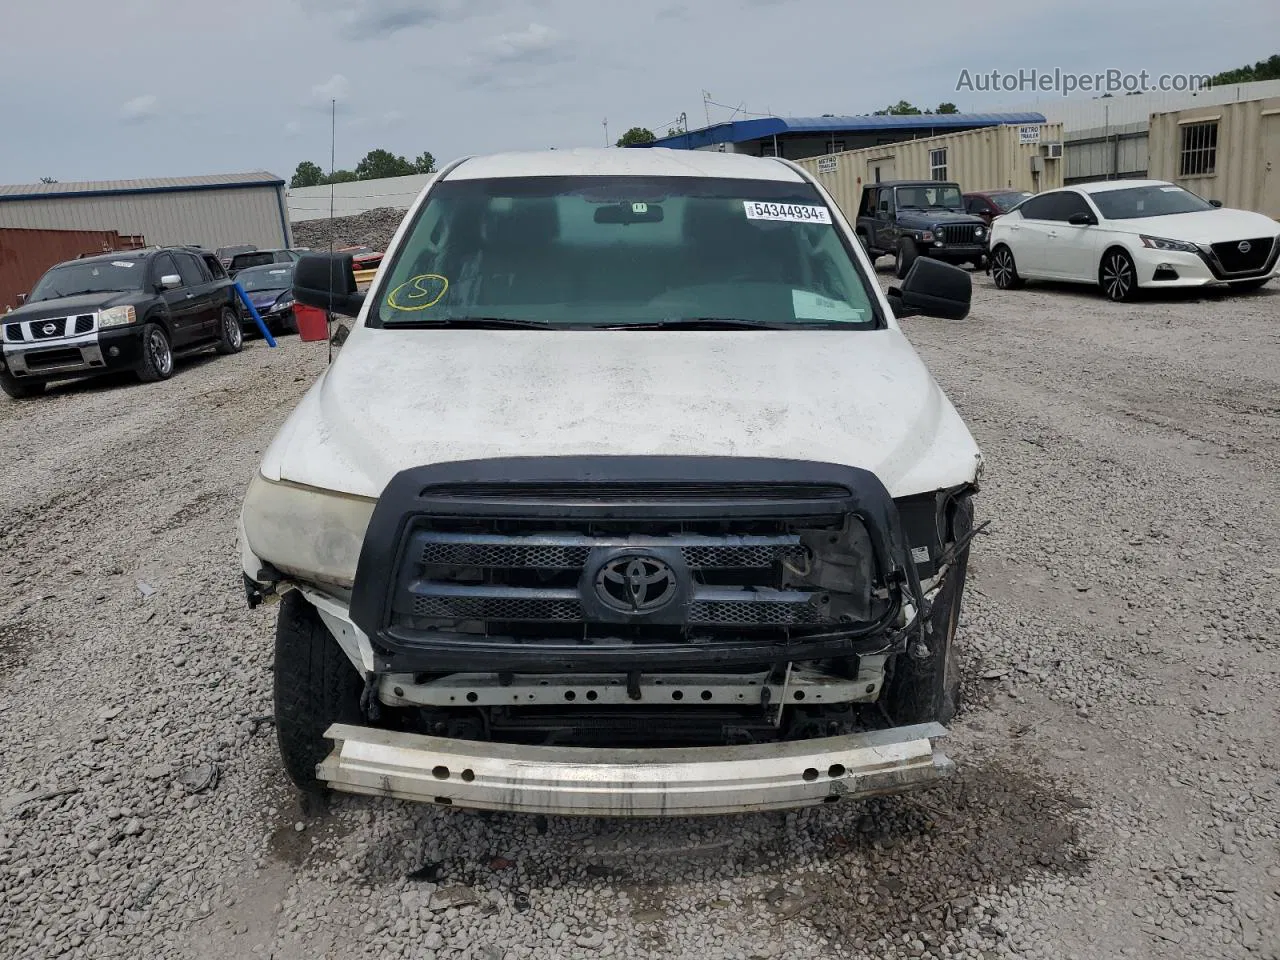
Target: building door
pixel 1269 201
pixel 880 169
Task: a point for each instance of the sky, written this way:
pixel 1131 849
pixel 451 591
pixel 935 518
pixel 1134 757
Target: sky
pixel 91 90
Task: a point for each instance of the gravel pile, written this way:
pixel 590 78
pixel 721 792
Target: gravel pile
pixel 373 228
pixel 1118 792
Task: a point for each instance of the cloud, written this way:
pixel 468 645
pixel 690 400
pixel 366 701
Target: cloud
pixel 140 108
pixel 365 19
pixel 533 45
pixel 336 87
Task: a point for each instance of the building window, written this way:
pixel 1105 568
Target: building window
pixel 938 164
pixel 1199 149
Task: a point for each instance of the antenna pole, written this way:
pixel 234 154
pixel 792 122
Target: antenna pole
pixel 333 226
pixel 605 124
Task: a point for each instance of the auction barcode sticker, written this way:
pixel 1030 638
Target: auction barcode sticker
pixel 793 212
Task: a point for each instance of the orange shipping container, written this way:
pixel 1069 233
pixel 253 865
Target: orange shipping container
pixel 26 254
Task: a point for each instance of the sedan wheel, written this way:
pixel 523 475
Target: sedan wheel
pixel 1004 273
pixel 1117 277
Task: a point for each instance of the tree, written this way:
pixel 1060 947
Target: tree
pixel 636 135
pixel 899 109
pixel 383 163
pixel 425 163
pixel 48 180
pixel 946 108
pixel 341 176
pixel 307 174
pixel 1268 69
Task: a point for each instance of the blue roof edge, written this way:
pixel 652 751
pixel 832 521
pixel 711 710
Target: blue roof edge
pixel 738 131
pixel 132 191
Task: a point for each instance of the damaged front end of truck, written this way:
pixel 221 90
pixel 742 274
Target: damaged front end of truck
pixel 639 636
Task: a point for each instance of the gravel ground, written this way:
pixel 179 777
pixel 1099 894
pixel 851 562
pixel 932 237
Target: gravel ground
pixel 1117 791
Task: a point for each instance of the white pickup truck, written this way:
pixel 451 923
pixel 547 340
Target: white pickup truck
pixel 626 495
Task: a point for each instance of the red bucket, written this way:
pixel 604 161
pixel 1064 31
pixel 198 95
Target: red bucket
pixel 313 324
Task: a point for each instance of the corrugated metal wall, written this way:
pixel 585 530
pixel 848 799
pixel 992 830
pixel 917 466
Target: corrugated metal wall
pixel 26 254
pixel 1246 169
pixel 211 218
pixel 987 159
pixel 1106 153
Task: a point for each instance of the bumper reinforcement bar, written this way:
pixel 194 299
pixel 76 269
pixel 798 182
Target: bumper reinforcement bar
pixel 589 781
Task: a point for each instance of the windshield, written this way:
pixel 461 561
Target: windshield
pixel 577 252
pixel 97 276
pixel 1154 201
pixel 944 196
pixel 226 253
pixel 278 276
pixel 1007 201
pixel 242 261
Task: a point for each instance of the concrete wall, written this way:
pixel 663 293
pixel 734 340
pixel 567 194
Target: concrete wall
pixel 312 203
pixel 987 159
pixel 1246 169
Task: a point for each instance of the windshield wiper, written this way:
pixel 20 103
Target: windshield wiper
pixel 701 323
pixel 473 323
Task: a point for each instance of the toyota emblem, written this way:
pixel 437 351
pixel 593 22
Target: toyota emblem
pixel 1244 246
pixel 49 329
pixel 636 583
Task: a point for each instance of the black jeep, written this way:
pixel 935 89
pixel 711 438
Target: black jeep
pixel 919 218
pixel 132 310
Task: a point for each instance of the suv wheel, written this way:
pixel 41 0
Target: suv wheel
pixel 230 336
pixel 20 391
pixel 921 691
pixel 315 685
pixel 157 355
pixel 907 254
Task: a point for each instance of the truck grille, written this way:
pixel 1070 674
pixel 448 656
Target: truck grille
pixel 13 332
pixel 1234 260
pixel 959 233
pixel 48 329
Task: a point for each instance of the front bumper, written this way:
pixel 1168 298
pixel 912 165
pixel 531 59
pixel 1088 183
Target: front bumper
pixel 628 782
pixel 1179 268
pixel 102 351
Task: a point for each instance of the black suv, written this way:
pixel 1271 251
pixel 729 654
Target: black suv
pixel 919 218
pixel 131 310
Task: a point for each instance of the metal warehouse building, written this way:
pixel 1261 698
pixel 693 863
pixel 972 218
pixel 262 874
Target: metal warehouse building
pixel 211 211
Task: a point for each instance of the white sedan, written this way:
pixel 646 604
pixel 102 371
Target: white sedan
pixel 1130 234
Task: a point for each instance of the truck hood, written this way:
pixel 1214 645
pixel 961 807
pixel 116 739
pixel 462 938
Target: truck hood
pixel 398 399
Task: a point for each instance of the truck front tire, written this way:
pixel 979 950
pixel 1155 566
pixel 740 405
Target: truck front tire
pixel 923 691
pixel 315 686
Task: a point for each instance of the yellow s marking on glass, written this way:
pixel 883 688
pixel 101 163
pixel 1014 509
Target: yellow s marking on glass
pixel 418 292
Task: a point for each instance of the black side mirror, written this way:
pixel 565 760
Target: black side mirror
pixel 327 281
pixel 1215 203
pixel 1082 220
pixel 933 289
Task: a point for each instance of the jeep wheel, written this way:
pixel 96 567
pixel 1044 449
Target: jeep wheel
pixel 157 355
pixel 1004 272
pixel 921 691
pixel 315 685
pixel 907 254
pixel 20 391
pixel 230 336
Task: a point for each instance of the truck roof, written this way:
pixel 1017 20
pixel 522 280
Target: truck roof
pixel 655 162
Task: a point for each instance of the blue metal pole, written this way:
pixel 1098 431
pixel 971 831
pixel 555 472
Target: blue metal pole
pixel 257 318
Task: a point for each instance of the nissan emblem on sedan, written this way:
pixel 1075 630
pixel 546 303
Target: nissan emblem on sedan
pixel 1244 246
pixel 636 583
